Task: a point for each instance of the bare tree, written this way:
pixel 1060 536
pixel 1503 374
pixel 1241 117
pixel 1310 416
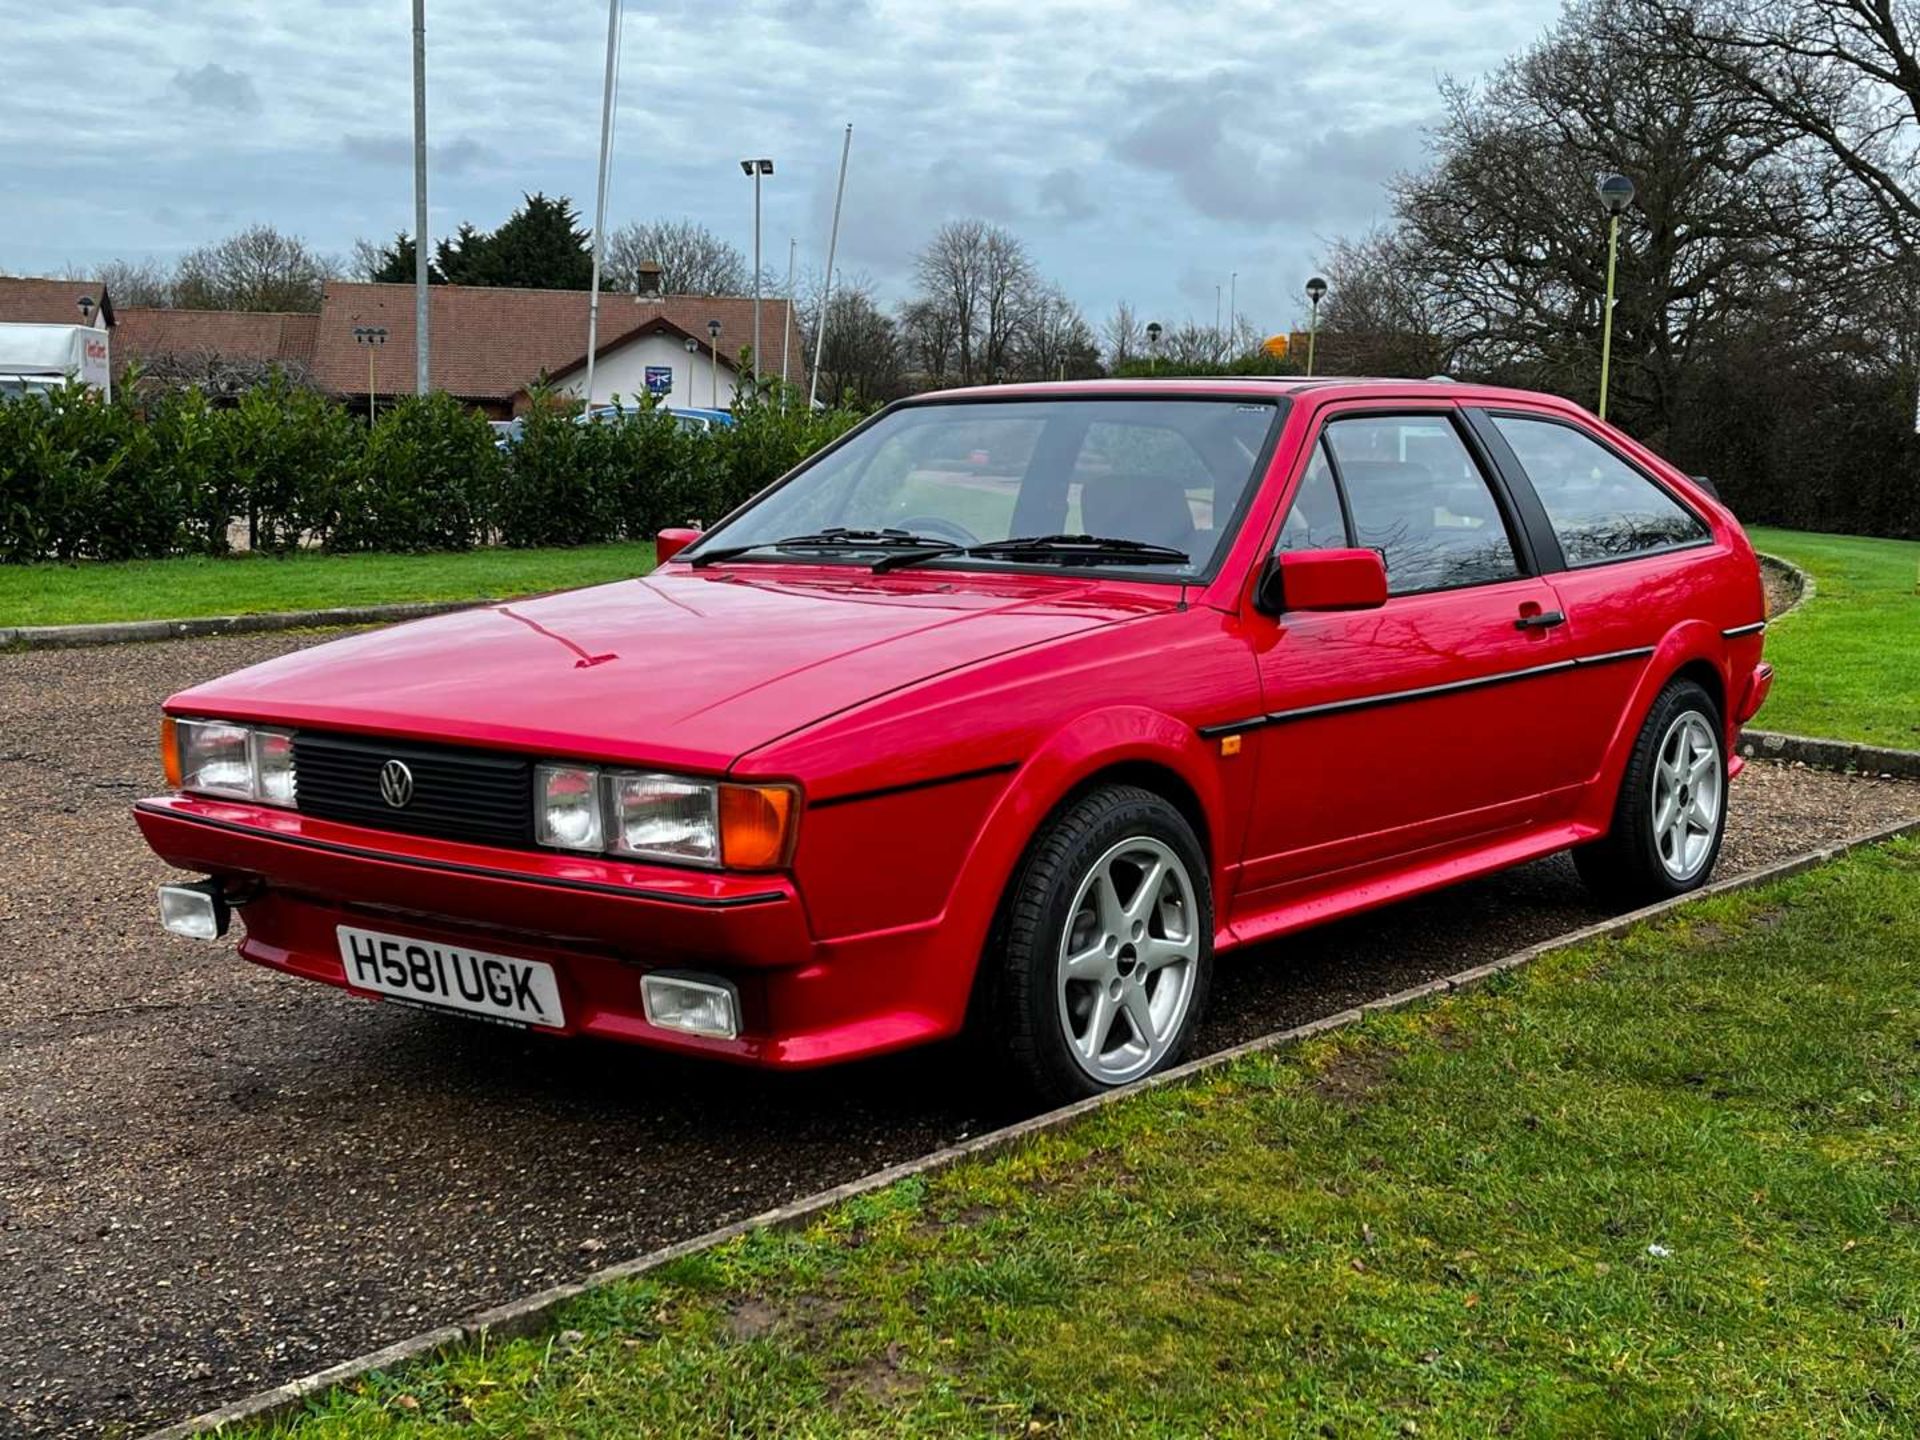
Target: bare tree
pixel 1010 292
pixel 131 282
pixel 950 272
pixel 692 259
pixel 1510 246
pixel 1124 335
pixel 1379 318
pixel 929 340
pixel 1841 74
pixel 861 357
pixel 1056 343
pixel 257 269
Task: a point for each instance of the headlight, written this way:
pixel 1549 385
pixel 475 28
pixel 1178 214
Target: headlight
pixel 664 817
pixel 677 818
pixel 569 801
pixel 218 757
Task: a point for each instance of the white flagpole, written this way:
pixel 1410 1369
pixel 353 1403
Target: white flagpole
pixel 600 200
pixel 826 288
pixel 786 330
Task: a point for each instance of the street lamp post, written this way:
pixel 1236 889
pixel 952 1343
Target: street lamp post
pixel 370 336
pixel 693 350
pixel 756 168
pixel 713 358
pixel 1153 347
pixel 1316 292
pixel 1616 194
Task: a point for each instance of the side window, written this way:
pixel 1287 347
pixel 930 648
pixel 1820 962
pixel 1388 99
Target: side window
pixel 1315 521
pixel 1600 506
pixel 1418 497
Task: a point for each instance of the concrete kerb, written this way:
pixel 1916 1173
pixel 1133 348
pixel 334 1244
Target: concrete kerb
pixel 533 1313
pixel 121 632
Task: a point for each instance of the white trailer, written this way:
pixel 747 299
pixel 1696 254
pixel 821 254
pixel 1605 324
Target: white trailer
pixel 44 357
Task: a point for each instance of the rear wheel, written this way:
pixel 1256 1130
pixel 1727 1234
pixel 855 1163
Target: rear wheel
pixel 1671 813
pixel 1104 948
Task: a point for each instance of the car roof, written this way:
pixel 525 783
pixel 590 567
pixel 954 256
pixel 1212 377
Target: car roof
pixel 1328 387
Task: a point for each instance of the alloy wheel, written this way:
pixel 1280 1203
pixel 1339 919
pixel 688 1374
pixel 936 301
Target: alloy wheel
pixel 1127 960
pixel 1688 791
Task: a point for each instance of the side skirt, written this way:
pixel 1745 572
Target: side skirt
pixel 1321 898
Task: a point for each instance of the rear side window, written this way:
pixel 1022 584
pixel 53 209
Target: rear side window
pixel 1418 497
pixel 1600 507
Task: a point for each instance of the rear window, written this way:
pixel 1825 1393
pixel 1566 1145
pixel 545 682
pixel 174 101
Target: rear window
pixel 1600 507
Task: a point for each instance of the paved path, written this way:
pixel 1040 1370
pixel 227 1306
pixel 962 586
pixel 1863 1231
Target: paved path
pixel 213 1178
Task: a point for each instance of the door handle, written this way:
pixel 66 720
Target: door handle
pixel 1540 620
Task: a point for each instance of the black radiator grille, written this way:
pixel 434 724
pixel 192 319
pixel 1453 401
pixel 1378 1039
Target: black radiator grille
pixel 481 796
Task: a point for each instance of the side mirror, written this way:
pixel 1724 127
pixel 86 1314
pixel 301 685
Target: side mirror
pixel 669 543
pixel 1321 580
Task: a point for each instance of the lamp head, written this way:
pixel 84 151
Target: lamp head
pixel 1316 290
pixel 1615 192
pixel 713 329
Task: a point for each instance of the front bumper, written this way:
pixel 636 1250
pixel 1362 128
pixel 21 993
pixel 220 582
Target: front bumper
pixel 600 923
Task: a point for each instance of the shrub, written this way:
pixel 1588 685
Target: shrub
pixel 555 483
pixel 76 480
pixel 428 478
pixel 286 452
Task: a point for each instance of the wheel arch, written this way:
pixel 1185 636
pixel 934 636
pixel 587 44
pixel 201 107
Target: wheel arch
pixel 1120 745
pixel 1693 651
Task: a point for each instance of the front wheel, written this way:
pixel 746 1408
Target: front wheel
pixel 1671 813
pixel 1102 956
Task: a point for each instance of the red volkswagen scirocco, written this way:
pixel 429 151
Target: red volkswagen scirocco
pixel 1010 710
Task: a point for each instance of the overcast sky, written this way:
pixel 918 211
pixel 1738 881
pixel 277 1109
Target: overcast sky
pixel 1143 151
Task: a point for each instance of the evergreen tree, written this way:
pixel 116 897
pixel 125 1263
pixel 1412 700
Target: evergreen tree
pixel 542 246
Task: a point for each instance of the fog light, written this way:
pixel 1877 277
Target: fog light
pixel 700 1007
pixel 198 912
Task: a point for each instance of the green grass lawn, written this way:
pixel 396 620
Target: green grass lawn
pixel 1661 1185
pixel 1847 664
pixel 245 584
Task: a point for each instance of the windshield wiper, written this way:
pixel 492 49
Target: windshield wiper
pixel 1078 549
pixel 837 537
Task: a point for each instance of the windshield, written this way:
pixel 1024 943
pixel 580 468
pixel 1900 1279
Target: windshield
pixel 1159 472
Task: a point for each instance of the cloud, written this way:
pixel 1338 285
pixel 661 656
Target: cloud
pixel 1063 194
pixel 455 158
pixel 1141 151
pixel 214 87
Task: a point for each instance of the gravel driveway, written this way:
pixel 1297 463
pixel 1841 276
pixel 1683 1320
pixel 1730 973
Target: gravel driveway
pixel 213 1178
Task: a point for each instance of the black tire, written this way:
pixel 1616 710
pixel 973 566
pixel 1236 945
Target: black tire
pixel 1625 867
pixel 1020 1016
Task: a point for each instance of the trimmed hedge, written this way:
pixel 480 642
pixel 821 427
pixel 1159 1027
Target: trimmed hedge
pixel 82 478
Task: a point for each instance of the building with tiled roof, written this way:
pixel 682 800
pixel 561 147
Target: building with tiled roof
pixel 201 345
pixel 28 301
pixel 486 346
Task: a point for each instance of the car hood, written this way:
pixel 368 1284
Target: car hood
pixel 686 668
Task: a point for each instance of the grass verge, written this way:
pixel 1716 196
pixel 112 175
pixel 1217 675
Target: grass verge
pixel 248 584
pixel 1847 663
pixel 1659 1185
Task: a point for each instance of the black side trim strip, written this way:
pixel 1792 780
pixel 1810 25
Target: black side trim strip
pixel 452 867
pixel 1230 727
pixel 1737 631
pixel 1639 652
pixel 1424 692
pixel 886 790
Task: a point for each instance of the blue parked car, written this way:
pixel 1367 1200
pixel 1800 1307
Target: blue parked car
pixel 507 433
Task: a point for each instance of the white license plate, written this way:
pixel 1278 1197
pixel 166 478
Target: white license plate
pixel 503 987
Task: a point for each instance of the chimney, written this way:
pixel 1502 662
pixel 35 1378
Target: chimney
pixel 647 279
